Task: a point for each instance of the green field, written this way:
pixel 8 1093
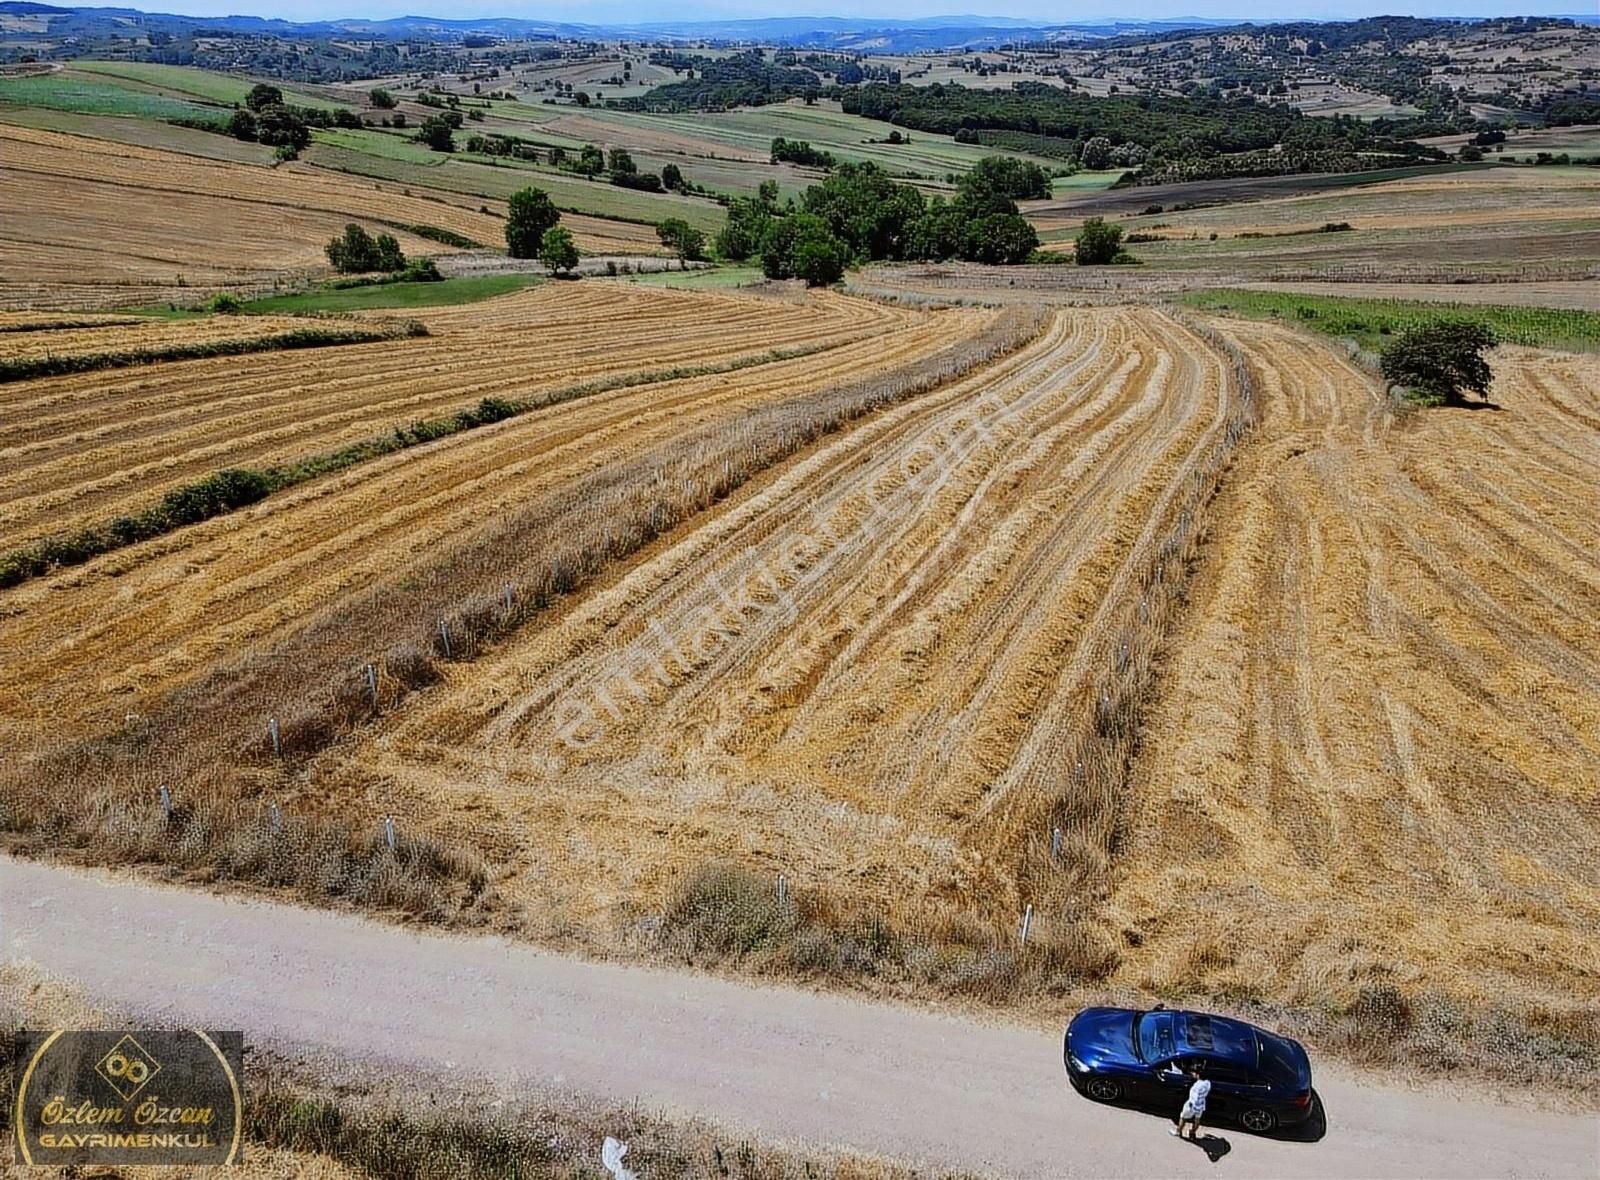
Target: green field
pixel 150 133
pixel 187 82
pixel 62 92
pixel 1080 182
pixel 717 278
pixel 1374 322
pixel 389 157
pixel 394 295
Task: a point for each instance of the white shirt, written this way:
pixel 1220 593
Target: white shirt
pixel 1198 1094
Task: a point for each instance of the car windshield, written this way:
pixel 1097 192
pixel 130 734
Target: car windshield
pixel 1153 1036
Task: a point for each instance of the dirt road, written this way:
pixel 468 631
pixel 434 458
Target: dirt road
pixel 777 1062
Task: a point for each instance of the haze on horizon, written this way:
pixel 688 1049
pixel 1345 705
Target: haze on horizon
pixel 1041 11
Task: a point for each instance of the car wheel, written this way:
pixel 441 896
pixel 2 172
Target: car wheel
pixel 1103 1090
pixel 1258 1120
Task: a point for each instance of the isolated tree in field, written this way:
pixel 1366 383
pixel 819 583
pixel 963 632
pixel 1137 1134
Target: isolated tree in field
pixel 278 126
pixel 1098 242
pixel 1441 361
pixel 1095 153
pixel 672 177
pixel 529 214
pixel 437 133
pixel 262 96
pixel 557 250
pixel 682 238
pixel 382 99
pixel 357 252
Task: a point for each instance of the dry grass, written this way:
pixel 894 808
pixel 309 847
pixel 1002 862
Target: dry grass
pixel 1376 758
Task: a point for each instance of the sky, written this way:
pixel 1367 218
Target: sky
pixel 1043 11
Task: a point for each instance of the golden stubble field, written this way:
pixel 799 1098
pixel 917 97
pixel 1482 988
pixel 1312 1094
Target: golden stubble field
pixel 873 596
pixel 89 222
pixel 1375 756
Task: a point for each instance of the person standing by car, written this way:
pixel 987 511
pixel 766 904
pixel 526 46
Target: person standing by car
pixel 1194 1106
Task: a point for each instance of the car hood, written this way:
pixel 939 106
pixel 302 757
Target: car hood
pixel 1102 1036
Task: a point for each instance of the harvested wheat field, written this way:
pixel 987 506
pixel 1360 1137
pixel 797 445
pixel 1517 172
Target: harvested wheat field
pixel 871 672
pixel 83 448
pixel 53 335
pixel 352 563
pixel 1375 759
pixel 95 218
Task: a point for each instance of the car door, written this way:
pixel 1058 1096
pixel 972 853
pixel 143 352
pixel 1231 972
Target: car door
pixel 1232 1088
pixel 1168 1083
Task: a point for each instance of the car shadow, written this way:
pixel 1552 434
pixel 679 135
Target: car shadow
pixel 1311 1130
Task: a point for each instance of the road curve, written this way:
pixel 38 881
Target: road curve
pixel 775 1062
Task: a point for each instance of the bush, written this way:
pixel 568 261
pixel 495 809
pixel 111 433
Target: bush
pixel 1441 361
pixel 557 250
pixel 224 303
pixel 438 133
pixel 682 238
pixel 382 99
pixel 1098 243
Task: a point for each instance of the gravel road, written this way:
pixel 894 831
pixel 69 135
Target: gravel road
pixel 775 1062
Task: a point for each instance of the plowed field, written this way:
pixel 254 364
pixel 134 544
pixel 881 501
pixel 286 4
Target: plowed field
pixel 1377 753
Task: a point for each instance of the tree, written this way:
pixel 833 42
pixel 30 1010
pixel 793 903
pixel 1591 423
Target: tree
pixel 1001 239
pixel 682 238
pixel 591 160
pixel 1441 360
pixel 357 252
pixel 382 99
pixel 262 96
pixel 400 119
pixel 242 125
pixel 802 245
pixel 557 250
pixel 618 161
pixel 437 133
pixel 672 177
pixel 1098 242
pixel 995 182
pixel 278 126
pixel 745 234
pixel 1095 153
pixel 866 210
pixel 529 216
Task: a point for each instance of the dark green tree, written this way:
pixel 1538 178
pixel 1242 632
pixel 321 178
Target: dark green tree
pixel 682 239
pixel 995 183
pixel 866 210
pixel 382 99
pixel 1000 239
pixel 437 133
pixel 262 96
pixel 1441 361
pixel 529 215
pixel 1098 242
pixel 1095 153
pixel 804 240
pixel 557 250
pixel 745 235
pixel 591 160
pixel 672 177
pixel 620 162
pixel 242 125
pixel 278 126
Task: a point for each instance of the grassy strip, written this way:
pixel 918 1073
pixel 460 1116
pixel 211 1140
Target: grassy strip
pixel 434 233
pixel 448 293
pixel 232 488
pixel 1372 322
pixel 56 366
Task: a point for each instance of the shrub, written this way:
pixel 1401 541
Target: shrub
pixel 1441 361
pixel 382 99
pixel 224 303
pixel 1098 243
pixel 358 252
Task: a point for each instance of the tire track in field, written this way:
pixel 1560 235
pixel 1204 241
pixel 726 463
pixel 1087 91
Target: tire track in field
pixel 810 681
pixel 92 643
pixel 1376 753
pixel 82 449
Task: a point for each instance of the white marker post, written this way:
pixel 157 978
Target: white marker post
pixel 277 739
pixel 1027 923
pixel 388 831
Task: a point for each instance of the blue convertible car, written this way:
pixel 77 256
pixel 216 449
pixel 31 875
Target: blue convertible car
pixel 1258 1079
